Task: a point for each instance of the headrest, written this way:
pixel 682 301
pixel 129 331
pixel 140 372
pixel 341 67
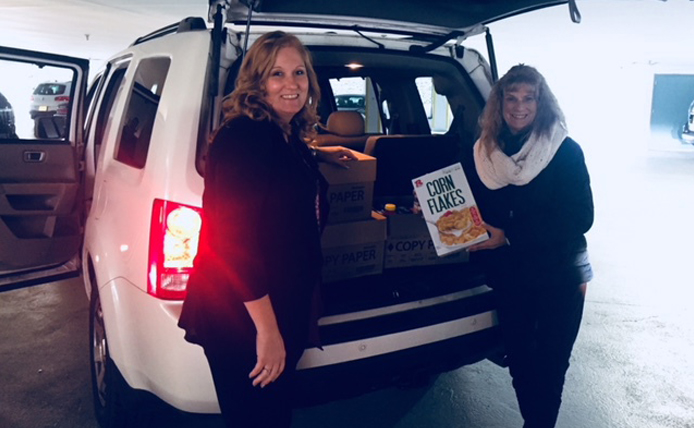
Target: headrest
pixel 346 123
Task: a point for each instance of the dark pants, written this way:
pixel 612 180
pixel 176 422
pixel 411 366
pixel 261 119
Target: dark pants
pixel 540 324
pixel 242 404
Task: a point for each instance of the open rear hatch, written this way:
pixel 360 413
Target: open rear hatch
pixel 435 21
pixel 429 17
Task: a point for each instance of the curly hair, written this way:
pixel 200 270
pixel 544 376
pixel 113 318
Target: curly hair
pixel 548 110
pixel 248 97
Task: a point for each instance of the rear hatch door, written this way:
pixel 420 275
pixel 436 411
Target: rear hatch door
pixel 426 18
pixel 434 22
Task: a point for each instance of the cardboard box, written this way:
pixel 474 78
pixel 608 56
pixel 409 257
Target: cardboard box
pixel 449 209
pixel 351 190
pixel 409 244
pixel 353 249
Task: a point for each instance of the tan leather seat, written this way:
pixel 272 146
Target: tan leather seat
pixel 346 128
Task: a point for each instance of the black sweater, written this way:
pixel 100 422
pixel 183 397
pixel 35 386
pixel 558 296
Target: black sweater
pixel 259 234
pixel 544 220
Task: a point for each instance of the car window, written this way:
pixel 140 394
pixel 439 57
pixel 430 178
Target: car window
pixel 90 103
pixel 435 105
pixel 105 115
pixel 51 88
pixel 90 98
pixel 139 118
pixel 36 101
pixel 350 102
pixel 356 94
pixel 393 100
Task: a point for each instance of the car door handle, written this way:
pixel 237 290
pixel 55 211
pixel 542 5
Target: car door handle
pixel 31 156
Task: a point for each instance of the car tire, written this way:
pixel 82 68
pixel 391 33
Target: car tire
pixel 111 393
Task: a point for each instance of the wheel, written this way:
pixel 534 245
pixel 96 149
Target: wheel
pixel 110 391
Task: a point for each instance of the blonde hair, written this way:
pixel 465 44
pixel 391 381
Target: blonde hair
pixel 548 110
pixel 248 97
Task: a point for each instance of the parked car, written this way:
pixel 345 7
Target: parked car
pixel 353 102
pixel 150 112
pixel 7 125
pixel 50 99
pixel 687 134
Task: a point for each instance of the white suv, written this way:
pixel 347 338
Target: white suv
pixel 123 184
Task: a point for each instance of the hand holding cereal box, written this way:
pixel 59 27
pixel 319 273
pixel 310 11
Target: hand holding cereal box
pixel 449 209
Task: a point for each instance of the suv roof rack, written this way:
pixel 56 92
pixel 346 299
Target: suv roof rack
pixel 191 23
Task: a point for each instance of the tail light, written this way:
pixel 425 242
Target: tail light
pixel 173 244
pixel 62 98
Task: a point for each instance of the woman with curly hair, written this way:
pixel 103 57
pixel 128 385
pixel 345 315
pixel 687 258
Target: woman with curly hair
pixel 533 189
pixel 249 302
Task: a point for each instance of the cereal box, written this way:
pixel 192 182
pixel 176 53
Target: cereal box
pixel 449 209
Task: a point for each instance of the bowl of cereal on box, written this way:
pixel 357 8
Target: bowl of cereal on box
pixel 460 226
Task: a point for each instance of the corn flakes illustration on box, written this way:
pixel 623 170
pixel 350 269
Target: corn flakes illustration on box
pixel 449 208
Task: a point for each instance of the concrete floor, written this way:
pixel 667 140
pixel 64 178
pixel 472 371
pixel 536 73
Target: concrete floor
pixel 631 366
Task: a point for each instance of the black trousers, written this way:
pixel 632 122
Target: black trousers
pixel 540 323
pixel 242 404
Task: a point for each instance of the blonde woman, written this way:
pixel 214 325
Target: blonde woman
pixel 534 193
pixel 249 302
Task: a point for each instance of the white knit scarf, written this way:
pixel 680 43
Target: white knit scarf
pixel 498 170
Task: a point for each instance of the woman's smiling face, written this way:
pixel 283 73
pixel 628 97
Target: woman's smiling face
pixel 286 89
pixel 520 107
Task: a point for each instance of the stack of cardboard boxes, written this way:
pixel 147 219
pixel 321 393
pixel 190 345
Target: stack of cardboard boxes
pixel 358 241
pixel 354 236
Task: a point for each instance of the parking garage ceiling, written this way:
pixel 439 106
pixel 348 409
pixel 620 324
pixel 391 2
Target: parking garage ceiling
pixel 96 29
pixel 92 29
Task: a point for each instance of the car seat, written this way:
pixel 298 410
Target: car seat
pixel 345 128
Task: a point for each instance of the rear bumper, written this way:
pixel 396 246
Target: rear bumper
pixel 374 346
pixel 329 383
pixel 392 345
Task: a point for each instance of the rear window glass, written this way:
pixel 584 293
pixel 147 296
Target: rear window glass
pixel 347 102
pixel 50 89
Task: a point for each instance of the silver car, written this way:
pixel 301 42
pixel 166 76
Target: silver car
pixel 50 99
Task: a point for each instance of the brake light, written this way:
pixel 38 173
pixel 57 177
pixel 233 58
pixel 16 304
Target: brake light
pixel 173 244
pixel 62 98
